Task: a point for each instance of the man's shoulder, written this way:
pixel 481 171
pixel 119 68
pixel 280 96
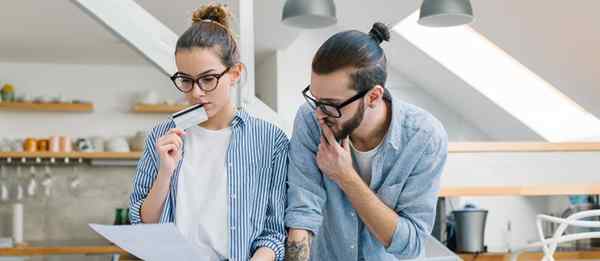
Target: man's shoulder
pixel 418 120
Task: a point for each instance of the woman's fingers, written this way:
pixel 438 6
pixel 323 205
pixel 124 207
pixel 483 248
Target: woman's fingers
pixel 170 139
pixel 177 131
pixel 168 149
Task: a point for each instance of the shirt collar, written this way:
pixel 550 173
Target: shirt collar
pixel 239 119
pixel 394 133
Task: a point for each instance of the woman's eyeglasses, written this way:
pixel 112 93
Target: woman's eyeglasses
pixel 207 83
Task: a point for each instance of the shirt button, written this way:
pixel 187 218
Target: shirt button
pixel 351 246
pixel 352 214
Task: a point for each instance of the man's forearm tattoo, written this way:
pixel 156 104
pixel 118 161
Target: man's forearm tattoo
pixel 298 250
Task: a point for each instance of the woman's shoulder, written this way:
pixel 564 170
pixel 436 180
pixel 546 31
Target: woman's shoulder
pixel 263 126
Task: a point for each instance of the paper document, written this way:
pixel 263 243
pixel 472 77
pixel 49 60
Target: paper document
pixel 155 242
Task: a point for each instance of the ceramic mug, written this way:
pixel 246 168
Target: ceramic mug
pixel 117 144
pixel 84 145
pixel 149 97
pixel 54 144
pixel 137 142
pixel 65 144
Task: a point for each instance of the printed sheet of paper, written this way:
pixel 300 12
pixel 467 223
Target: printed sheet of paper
pixel 155 242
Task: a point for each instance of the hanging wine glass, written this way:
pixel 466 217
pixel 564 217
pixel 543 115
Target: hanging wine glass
pixel 32 182
pixel 19 185
pixel 75 180
pixel 47 181
pixel 3 184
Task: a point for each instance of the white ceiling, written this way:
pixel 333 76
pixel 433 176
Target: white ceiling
pixel 57 31
pixel 558 40
pixel 555 39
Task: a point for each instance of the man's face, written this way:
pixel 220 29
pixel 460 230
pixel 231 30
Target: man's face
pixel 334 88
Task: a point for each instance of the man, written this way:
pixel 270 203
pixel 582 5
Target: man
pixel 364 167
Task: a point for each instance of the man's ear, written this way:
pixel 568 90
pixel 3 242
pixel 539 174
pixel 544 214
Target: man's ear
pixel 374 95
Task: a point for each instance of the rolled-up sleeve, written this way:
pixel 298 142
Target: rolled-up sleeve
pixel 417 198
pixel 274 233
pixel 145 175
pixel 306 195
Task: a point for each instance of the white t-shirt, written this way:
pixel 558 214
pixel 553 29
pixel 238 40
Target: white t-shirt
pixel 201 213
pixel 363 161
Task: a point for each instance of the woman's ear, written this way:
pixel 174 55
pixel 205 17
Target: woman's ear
pixel 236 72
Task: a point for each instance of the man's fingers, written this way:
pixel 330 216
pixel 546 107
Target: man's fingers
pixel 327 133
pixel 346 144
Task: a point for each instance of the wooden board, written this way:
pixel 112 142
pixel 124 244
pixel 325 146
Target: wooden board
pixel 475 147
pixel 541 190
pixel 60 250
pixel 531 256
pixel 158 108
pixel 71 155
pixel 49 107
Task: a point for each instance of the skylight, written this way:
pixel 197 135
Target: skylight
pixel 502 79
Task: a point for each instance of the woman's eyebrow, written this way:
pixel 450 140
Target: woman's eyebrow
pixel 197 75
pixel 205 72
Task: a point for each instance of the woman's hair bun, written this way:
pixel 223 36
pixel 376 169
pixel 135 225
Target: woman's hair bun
pixel 380 32
pixel 218 13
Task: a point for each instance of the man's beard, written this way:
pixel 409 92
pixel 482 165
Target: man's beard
pixel 350 125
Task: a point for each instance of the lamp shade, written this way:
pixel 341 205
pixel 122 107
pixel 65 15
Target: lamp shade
pixel 443 13
pixel 309 14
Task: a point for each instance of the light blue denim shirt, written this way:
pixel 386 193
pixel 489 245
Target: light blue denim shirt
pixel 405 176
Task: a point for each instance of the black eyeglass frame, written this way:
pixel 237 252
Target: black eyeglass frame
pixel 196 81
pixel 315 103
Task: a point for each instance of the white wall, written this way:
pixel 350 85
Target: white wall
pixel 458 128
pixel 266 80
pixel 293 74
pixel 518 169
pixel 112 88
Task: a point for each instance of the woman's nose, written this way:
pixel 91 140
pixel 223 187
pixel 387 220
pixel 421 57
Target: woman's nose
pixel 197 91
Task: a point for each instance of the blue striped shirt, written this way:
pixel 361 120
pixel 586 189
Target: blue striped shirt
pixel 256 177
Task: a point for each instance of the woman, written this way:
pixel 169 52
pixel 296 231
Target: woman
pixel 223 182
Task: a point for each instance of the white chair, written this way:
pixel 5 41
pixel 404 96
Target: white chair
pixel 549 245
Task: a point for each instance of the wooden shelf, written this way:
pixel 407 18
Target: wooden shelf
pixel 531 256
pixel 66 250
pixel 158 108
pixel 42 248
pixel 72 155
pixel 51 107
pixel 473 147
pixel 541 190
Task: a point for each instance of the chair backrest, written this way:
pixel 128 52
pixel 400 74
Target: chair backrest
pixel 549 245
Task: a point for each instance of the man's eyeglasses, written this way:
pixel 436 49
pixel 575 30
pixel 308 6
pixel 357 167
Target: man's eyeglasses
pixel 330 109
pixel 207 83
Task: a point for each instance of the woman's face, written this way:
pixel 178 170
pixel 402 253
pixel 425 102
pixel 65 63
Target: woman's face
pixel 204 64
